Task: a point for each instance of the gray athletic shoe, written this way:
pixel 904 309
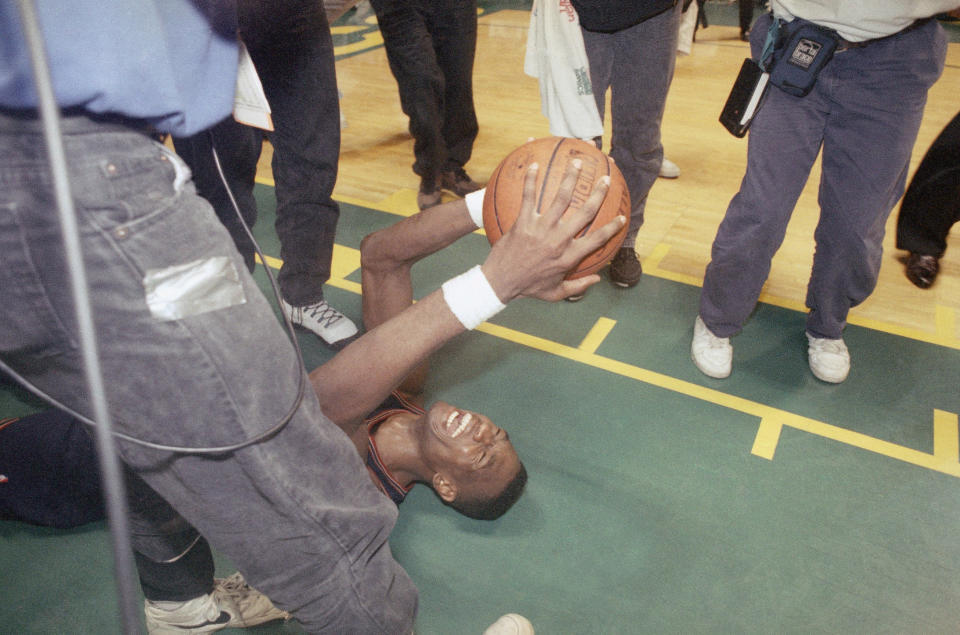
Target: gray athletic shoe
pixel 233 603
pixel 332 326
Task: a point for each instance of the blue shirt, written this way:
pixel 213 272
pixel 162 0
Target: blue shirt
pixel 169 63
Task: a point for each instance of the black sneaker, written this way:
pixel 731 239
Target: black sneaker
pixel 625 270
pixel 459 182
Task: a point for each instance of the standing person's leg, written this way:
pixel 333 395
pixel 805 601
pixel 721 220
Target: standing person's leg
pixel 637 102
pixel 453 27
pixel 291 46
pixel 421 84
pixel 879 92
pixel 54 480
pixel 599 50
pixel 931 204
pixel 783 143
pixel 928 212
pixel 745 15
pixel 238 148
pixel 296 513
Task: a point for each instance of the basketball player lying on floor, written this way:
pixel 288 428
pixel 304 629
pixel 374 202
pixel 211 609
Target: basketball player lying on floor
pixel 50 465
pixel 50 474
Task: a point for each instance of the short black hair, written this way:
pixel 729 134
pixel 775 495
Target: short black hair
pixel 496 506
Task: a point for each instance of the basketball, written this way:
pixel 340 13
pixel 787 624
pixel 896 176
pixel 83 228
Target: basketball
pixel 501 202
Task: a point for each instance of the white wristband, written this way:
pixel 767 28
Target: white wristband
pixel 471 298
pixel 474 201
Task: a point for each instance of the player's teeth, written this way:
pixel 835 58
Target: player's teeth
pixel 450 419
pixel 464 423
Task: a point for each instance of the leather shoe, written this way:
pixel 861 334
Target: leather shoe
pixel 458 182
pixel 429 194
pixel 922 269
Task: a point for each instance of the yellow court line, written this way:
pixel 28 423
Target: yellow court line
pixel 656 256
pixel 601 329
pixel 946 435
pixel 771 419
pixel 764 412
pixel 371 39
pixel 768 436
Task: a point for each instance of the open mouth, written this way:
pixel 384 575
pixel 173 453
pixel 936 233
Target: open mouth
pixel 457 423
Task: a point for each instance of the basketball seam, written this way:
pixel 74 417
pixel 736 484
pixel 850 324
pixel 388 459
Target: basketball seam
pixel 493 193
pixel 546 175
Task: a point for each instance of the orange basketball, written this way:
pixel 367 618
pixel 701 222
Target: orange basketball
pixel 501 203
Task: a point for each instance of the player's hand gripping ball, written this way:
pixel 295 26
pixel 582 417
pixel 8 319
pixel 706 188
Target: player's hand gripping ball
pixel 501 202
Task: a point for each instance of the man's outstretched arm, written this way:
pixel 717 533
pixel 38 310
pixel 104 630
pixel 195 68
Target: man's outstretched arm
pixel 529 260
pixel 388 255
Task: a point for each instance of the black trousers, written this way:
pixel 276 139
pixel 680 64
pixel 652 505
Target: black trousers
pixel 430 46
pixel 53 480
pixel 931 204
pixel 292 50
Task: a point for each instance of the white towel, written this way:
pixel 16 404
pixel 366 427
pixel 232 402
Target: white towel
pixel 556 57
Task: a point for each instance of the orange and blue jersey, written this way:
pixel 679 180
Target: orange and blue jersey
pixel 382 478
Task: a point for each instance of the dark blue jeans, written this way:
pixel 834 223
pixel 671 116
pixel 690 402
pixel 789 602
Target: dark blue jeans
pixel 292 50
pixel 430 46
pixel 863 113
pixel 297 513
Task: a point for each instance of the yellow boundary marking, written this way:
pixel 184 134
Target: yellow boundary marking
pixel 768 436
pixel 946 436
pixel 944 459
pixel 601 329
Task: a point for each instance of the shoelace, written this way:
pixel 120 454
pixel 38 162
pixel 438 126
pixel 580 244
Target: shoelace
pixel 234 586
pixel 323 312
pixel 626 253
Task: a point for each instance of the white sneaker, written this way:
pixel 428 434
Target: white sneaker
pixel 332 326
pixel 829 359
pixel 233 603
pixel 669 169
pixel 713 355
pixel 510 624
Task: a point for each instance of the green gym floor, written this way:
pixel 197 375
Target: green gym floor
pixel 659 500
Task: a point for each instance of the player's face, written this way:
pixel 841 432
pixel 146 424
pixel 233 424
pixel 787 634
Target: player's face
pixel 467 447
